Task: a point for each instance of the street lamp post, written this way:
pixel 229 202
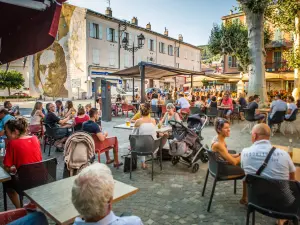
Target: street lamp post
pixel 133 49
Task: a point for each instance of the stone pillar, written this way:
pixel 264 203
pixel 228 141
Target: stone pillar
pixel 240 87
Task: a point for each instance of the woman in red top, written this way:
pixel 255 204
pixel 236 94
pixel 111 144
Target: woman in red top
pixel 81 116
pixel 21 149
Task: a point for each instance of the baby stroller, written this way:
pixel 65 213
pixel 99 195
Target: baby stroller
pixel 186 146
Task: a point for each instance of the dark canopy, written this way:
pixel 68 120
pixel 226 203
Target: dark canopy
pixel 27 28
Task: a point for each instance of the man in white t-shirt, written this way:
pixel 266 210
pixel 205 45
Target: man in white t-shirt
pixel 291 107
pixel 280 165
pixel 183 103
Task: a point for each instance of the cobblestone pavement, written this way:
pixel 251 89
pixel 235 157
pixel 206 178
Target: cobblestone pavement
pixel 174 196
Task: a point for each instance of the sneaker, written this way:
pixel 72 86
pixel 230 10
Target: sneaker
pixel 30 206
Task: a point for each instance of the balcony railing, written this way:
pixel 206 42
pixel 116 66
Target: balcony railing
pixel 280 43
pixel 278 67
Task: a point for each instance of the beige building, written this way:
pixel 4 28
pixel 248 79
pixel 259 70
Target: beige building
pixel 88 45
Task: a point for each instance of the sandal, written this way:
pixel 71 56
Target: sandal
pixel 118 165
pixel 109 161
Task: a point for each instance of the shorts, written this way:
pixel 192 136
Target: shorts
pixel 228 112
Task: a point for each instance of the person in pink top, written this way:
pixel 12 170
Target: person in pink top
pixel 227 102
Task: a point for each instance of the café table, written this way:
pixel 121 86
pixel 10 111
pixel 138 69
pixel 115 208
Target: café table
pixel 163 129
pixel 4 176
pixel 222 109
pixel 55 199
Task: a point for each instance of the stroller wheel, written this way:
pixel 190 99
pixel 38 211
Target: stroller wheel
pixel 203 156
pixel 195 167
pixel 175 160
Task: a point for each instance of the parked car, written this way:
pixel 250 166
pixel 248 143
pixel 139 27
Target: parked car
pixel 21 94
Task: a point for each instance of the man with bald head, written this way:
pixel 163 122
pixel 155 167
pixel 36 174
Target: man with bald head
pixel 280 165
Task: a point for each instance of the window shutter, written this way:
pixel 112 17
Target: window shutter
pixel 107 34
pixel 100 31
pixel 116 36
pixel 91 30
pixel 159 46
pixel 154 45
pixel 136 40
pixel 111 58
pixel 149 44
pixel 229 61
pixel 130 39
pixel 165 48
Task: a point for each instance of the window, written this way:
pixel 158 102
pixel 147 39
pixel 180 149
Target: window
pixel 177 51
pixel 95 31
pixel 111 35
pixel 277 60
pixel 151 45
pixel 278 35
pixel 96 56
pixel 112 59
pixel 232 61
pixel 125 34
pixel 162 48
pixel 170 49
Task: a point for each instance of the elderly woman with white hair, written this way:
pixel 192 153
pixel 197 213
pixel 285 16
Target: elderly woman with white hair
pixel 171 114
pixel 92 196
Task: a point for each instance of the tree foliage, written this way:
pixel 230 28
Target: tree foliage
pixel 232 39
pixel 282 14
pixel 11 79
pixel 255 6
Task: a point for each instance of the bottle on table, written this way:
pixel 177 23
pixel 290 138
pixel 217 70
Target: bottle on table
pixel 290 147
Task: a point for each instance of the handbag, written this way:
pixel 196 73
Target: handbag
pixel 127 162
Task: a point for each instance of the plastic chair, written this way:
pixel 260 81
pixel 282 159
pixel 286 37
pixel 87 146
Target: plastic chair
pixel 126 108
pixel 12 215
pixel 106 145
pixel 235 114
pixel 250 121
pixel 155 110
pixel 212 113
pixel 277 119
pixel 289 122
pixel 34 175
pixel 53 134
pixel 195 110
pixel 274 198
pixel 37 130
pixel 143 145
pixel 221 171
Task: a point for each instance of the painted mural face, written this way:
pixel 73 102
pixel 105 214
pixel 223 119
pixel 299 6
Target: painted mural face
pixel 51 71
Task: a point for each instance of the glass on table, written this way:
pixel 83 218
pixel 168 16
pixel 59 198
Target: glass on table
pixel 127 122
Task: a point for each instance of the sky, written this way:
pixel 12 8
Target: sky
pixel 191 18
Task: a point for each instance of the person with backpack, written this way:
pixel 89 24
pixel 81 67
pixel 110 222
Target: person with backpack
pixel 92 127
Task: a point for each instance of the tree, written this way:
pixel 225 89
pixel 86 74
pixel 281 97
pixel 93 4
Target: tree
pixel 286 15
pixel 11 79
pixel 232 39
pixel 254 11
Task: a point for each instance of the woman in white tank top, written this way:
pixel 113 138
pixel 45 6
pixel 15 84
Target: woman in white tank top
pixel 37 114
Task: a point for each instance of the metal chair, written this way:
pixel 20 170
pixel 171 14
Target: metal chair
pixel 290 122
pixel 144 145
pixel 221 171
pixel 34 175
pixel 250 121
pixel 277 119
pixel 274 198
pixel 53 134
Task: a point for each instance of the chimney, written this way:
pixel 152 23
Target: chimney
pixel 180 38
pixel 134 21
pixel 108 12
pixel 148 26
pixel 166 33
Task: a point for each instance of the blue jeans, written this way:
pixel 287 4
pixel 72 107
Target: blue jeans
pixel 36 218
pixel 269 120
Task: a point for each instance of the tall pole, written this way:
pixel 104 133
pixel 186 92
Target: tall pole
pixel 142 75
pixel 133 77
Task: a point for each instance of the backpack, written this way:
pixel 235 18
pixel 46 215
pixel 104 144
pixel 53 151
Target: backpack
pixel 79 152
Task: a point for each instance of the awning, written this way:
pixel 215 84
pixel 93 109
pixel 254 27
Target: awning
pixel 156 72
pixel 27 27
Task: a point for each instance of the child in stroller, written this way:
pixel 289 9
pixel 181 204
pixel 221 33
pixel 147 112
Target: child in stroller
pixel 186 146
